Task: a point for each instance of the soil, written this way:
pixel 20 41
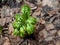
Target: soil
pixel 47 30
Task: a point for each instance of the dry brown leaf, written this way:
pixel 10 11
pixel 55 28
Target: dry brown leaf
pixel 49 26
pixel 58 33
pixel 11 29
pixel 58 43
pixel 6 42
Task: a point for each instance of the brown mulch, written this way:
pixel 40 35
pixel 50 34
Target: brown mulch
pixel 47 28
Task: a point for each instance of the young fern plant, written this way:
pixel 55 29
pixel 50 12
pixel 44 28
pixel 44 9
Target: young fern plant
pixel 24 24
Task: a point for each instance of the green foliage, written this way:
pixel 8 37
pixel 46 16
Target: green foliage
pixel 0 29
pixel 31 20
pixel 16 24
pixel 16 32
pixel 24 24
pixel 30 29
pixel 25 11
pixel 22 31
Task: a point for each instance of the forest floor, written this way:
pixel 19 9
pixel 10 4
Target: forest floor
pixel 47 28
